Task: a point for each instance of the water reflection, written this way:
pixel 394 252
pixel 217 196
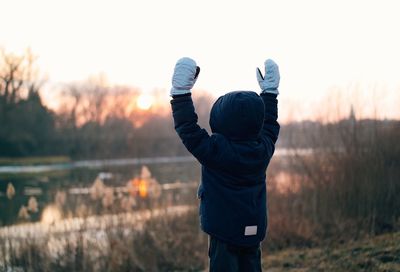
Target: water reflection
pixel 33 205
pixel 10 191
pixel 51 214
pixel 143 185
pixel 89 192
pixel 112 190
pixel 96 208
pixel 286 182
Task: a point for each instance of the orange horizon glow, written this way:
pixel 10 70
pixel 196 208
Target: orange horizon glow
pixel 139 107
pixel 137 46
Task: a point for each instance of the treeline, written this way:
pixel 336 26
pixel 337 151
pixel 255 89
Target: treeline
pixel 94 120
pixel 26 125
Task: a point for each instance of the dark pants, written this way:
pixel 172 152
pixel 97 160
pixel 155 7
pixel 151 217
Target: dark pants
pixel 230 258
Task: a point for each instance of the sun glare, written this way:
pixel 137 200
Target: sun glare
pixel 144 102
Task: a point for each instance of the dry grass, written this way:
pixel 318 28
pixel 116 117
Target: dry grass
pixel 345 190
pixel 170 243
pixel 379 253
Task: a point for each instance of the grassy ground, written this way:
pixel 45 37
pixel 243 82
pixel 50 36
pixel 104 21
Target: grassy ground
pixel 34 160
pixel 380 253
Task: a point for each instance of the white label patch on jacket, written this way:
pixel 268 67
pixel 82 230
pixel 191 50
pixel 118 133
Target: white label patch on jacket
pixel 250 230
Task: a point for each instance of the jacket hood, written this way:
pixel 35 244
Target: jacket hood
pixel 238 115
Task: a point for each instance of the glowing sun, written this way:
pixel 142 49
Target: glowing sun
pixel 144 101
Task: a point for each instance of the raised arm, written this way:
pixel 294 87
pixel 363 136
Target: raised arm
pixel 269 85
pixel 196 140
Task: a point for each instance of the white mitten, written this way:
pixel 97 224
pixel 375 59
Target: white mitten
pixel 270 82
pixel 185 75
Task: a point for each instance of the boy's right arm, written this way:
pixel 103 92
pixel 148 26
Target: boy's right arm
pixel 269 84
pixel 196 139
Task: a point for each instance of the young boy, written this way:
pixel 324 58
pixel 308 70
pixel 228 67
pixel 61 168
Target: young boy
pixel 234 159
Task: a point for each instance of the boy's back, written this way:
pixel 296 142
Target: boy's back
pixel 234 158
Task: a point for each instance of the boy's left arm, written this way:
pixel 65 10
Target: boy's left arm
pixel 269 83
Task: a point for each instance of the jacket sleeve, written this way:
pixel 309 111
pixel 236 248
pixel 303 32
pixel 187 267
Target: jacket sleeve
pixel 270 130
pixel 196 139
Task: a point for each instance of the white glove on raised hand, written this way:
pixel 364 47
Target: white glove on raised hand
pixel 185 75
pixel 270 82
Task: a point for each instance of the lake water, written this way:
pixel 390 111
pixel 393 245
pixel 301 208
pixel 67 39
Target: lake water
pixel 96 189
pixel 92 206
pixel 49 193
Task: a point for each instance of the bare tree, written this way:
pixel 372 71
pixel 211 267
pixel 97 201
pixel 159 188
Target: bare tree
pixel 18 77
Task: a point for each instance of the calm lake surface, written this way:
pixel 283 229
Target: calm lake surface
pixel 95 189
pixel 47 193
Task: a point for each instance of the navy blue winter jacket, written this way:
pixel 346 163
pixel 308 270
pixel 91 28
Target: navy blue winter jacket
pixel 234 161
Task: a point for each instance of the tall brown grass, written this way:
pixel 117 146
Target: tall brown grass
pixel 170 243
pixel 348 186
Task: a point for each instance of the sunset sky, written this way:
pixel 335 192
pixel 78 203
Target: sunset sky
pixel 320 46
